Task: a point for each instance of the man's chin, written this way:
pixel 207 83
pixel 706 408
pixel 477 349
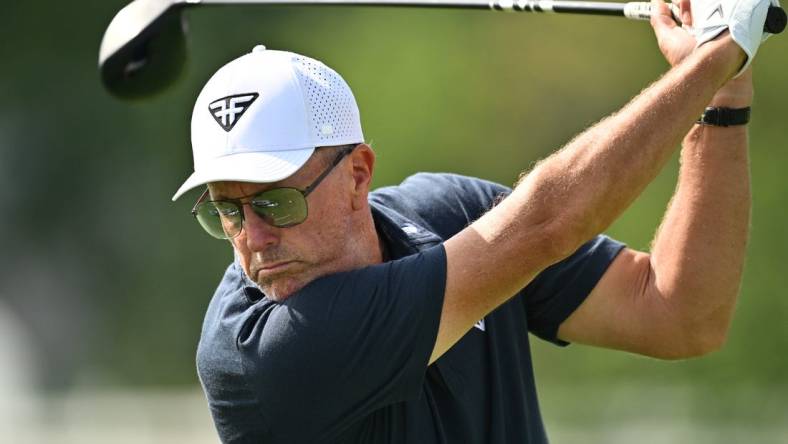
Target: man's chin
pixel 281 289
pixel 280 283
pixel 280 286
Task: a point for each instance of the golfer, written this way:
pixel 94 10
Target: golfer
pixel 402 315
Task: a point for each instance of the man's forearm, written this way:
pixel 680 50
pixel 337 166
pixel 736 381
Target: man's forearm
pixel 588 183
pixel 698 254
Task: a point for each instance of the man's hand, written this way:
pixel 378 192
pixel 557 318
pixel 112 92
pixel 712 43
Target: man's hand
pixel 674 41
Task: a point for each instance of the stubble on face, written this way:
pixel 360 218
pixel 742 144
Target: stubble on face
pixel 302 253
pixel 279 272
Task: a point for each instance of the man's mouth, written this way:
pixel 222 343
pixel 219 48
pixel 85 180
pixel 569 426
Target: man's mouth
pixel 268 270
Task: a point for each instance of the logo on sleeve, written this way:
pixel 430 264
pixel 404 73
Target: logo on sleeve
pixel 228 110
pixel 480 324
pixel 410 229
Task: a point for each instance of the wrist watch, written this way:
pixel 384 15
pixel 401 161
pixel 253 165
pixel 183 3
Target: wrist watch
pixel 724 116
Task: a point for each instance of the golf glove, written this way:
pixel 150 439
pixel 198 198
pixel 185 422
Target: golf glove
pixel 744 18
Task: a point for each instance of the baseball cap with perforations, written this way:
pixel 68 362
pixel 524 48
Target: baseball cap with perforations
pixel 261 116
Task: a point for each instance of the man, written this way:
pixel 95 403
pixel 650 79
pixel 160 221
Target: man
pixel 402 315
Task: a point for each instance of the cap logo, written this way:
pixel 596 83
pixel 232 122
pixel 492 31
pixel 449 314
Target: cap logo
pixel 228 110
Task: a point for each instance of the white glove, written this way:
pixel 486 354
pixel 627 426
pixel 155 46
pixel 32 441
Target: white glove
pixel 744 19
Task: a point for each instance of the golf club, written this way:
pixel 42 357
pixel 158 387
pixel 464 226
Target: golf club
pixel 144 47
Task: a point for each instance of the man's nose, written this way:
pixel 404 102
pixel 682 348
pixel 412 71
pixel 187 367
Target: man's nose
pixel 259 233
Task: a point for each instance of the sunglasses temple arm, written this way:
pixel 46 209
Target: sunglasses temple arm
pixel 199 201
pixel 328 170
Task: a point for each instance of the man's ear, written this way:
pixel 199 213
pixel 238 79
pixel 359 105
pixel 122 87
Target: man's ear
pixel 362 161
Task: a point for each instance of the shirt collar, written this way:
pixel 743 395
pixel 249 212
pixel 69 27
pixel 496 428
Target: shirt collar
pixel 401 235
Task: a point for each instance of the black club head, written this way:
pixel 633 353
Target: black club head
pixel 144 49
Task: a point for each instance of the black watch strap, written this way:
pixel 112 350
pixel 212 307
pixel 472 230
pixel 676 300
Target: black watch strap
pixel 725 116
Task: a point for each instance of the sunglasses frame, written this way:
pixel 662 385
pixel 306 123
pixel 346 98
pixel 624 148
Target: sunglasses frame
pixel 305 192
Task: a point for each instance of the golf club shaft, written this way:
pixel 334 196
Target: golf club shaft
pixel 633 10
pixel 775 20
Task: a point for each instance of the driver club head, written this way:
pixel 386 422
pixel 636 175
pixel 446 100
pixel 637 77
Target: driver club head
pixel 144 48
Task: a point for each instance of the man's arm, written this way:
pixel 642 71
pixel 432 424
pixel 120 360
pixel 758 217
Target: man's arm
pixel 577 192
pixel 678 301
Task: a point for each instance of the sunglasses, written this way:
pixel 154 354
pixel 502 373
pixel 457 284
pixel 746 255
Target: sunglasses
pixel 280 207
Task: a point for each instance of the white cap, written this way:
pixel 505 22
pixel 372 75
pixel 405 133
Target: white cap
pixel 261 116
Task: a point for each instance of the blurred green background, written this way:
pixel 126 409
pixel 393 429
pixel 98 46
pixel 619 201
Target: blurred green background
pixel 104 281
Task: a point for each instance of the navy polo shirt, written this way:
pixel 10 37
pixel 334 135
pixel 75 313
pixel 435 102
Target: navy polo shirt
pixel 344 360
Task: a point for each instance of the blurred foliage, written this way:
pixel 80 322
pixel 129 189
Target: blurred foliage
pixel 113 279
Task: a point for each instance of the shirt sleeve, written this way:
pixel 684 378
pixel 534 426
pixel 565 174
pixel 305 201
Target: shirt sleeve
pixel 344 346
pixel 557 292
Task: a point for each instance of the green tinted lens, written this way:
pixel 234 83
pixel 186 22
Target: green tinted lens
pixel 281 207
pixel 221 220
